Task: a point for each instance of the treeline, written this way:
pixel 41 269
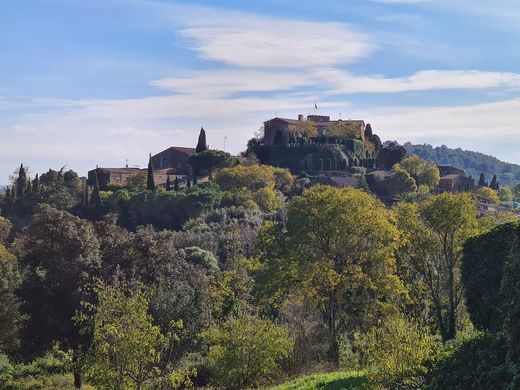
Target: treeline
pixel 473 163
pixel 251 279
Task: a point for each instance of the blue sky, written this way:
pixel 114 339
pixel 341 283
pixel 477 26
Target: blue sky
pixel 98 82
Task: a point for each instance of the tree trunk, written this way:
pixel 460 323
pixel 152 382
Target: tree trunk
pixel 77 378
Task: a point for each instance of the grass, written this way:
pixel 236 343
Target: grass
pixel 342 380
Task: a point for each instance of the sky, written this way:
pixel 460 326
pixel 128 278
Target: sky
pixel 103 82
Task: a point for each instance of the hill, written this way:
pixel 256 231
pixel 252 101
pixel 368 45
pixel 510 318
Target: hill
pixel 344 380
pixel 472 162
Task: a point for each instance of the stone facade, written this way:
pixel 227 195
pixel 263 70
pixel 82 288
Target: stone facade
pixel 277 130
pixel 456 183
pixel 175 158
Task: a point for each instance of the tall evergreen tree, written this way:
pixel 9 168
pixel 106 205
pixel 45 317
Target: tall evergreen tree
pixel 96 201
pixel 201 145
pixel 21 182
pixel 29 187
pixel 36 185
pixel 176 184
pixel 150 183
pixel 494 183
pixel 482 180
pixel 168 184
pixel 85 195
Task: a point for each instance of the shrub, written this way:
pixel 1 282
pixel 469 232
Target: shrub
pixel 245 350
pixel 397 353
pixel 477 363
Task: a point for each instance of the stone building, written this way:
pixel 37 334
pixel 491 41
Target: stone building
pixel 456 182
pixel 277 130
pixel 175 158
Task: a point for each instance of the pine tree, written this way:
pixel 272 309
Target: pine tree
pixel 201 145
pixel 482 180
pixel 168 184
pixel 96 201
pixel 21 182
pixel 494 183
pixel 36 185
pixel 150 183
pixel 176 184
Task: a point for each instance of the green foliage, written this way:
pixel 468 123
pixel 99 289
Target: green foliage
pixel 423 173
pixel 397 352
pixel 127 349
pixel 473 163
pixel 60 256
pixel 341 380
pixel 161 209
pixel 245 350
pixel 401 182
pixel 488 193
pixel 137 182
pixel 207 161
pixel 201 143
pixel 482 274
pixel 337 249
pixel 10 279
pixel 391 154
pixel 476 363
pixel 150 184
pixel 505 194
pixel 49 372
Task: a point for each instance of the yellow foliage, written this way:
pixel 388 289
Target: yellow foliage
pixel 488 193
pixel 253 177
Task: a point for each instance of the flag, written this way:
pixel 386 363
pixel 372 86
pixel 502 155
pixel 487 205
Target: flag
pixel 315 105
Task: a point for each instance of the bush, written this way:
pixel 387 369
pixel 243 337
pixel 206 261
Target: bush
pixel 397 353
pixel 245 350
pixel 477 363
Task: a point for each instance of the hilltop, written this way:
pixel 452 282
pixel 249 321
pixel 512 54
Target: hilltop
pixel 473 163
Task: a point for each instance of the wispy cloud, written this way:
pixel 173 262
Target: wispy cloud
pixel 343 82
pixel 252 41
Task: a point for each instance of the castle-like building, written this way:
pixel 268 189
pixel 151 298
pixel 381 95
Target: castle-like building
pixel 277 131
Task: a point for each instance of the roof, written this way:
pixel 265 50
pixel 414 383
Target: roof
pixel 452 176
pixel 120 170
pixel 359 122
pixel 183 149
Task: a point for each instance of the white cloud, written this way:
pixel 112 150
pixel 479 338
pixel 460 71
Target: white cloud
pixel 230 81
pixel 252 41
pixel 343 82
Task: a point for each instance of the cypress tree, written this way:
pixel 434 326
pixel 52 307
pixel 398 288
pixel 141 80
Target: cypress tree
pixel 201 144
pixel 150 183
pixel 7 196
pixel 176 184
pixel 85 195
pixel 168 184
pixel 36 185
pixel 96 201
pixel 21 182
pixel 482 180
pixel 29 187
pixel 494 183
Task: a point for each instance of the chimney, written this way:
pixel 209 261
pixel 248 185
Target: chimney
pixel 300 117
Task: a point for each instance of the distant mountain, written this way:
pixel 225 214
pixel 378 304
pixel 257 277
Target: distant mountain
pixel 473 163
